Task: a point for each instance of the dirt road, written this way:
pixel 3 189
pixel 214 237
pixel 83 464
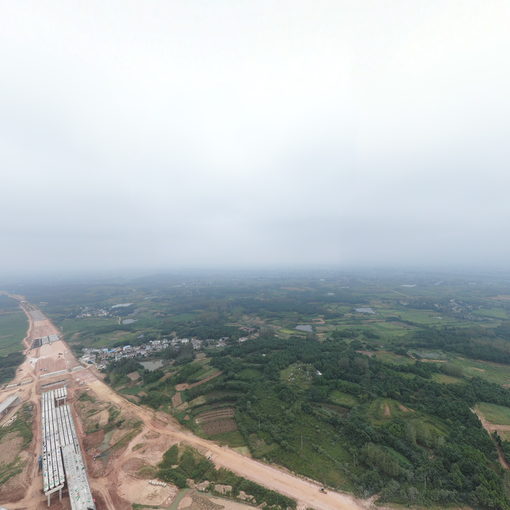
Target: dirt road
pixel 306 492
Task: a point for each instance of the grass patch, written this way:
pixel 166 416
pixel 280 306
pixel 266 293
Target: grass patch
pixel 384 409
pixel 446 379
pixel 249 374
pixel 22 427
pixel 13 327
pixel 233 439
pixel 343 399
pixel 499 415
pixel 492 372
pixel 298 374
pixel 492 313
pixel 86 397
pixel 147 472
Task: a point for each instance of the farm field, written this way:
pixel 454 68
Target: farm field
pixel 493 313
pixel 446 379
pixel 96 332
pixel 499 415
pixel 13 327
pixel 492 372
pixel 343 399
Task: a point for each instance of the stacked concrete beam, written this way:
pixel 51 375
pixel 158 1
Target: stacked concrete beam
pixel 60 394
pixel 8 403
pixel 53 469
pixel 77 483
pixel 45 340
pixel 61 459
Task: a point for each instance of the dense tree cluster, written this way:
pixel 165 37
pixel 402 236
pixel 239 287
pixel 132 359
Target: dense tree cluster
pixel 476 343
pixel 8 365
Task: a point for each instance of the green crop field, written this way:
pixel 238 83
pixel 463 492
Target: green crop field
pixel 72 326
pixel 499 415
pixel 492 372
pixel 493 313
pixel 446 379
pixel 97 332
pixel 13 328
pixel 343 399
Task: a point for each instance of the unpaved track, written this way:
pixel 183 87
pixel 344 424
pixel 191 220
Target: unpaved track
pixel 304 491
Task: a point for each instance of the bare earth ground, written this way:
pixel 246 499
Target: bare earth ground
pixel 115 484
pixel 10 447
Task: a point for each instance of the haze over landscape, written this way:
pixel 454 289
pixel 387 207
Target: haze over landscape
pixel 222 134
pixel 254 255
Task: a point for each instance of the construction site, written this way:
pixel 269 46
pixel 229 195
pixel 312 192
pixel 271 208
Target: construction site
pixel 61 459
pixel 49 339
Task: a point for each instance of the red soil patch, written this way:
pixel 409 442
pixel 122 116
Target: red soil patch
pixel 11 446
pixel 219 426
pixel 48 365
pixel 133 465
pixel 93 440
pixel 218 421
pixel 13 490
pixel 177 400
pixel 370 354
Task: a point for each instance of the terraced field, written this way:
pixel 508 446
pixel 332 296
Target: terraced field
pixel 217 422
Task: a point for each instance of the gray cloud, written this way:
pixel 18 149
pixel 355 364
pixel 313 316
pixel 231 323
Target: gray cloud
pixel 170 134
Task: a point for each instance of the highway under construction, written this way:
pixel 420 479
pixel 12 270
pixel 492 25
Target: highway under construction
pixel 61 459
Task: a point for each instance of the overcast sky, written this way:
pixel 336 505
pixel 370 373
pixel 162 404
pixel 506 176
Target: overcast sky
pixel 164 134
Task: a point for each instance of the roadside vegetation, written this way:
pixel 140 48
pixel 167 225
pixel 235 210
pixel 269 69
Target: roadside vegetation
pixel 182 465
pixel 14 439
pixel 106 428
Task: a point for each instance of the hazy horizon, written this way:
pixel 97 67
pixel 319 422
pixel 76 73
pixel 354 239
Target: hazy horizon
pixel 155 136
